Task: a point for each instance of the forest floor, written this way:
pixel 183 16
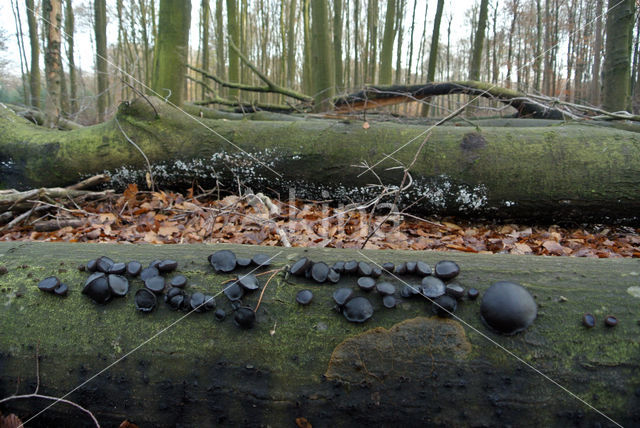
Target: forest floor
pixel 174 218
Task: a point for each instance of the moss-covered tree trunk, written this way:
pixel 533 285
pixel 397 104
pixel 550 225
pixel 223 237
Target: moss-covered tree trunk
pixel 558 172
pixel 402 367
pixel 34 73
pixel 52 11
pixel 69 29
pixel 616 68
pixel 323 84
pixel 172 47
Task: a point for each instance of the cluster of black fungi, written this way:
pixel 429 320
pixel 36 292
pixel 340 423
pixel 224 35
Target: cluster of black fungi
pixel 506 307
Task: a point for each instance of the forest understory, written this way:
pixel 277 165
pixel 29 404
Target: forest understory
pixel 165 217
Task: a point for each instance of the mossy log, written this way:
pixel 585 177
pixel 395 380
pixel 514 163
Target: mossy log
pixel 560 172
pixel 403 366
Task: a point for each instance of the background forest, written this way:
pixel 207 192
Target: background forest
pixel 550 47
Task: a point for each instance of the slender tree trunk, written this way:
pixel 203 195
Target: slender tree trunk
pixel 449 47
pixel 347 44
pixel 400 31
pixel 220 43
pixel 433 52
pixel 423 47
pixel 478 42
pixel 372 58
pixel 537 62
pixel 306 70
pixel 496 47
pixel 337 44
pixel 548 46
pixel 597 56
pixel 413 26
pixel 145 40
pixel 388 38
pixel 206 11
pixel 356 44
pixel 514 18
pixel 291 46
pixel 69 29
pixel 615 94
pixel 34 75
pixel 52 11
pixel 233 31
pixel 24 70
pixel 100 10
pixel 172 49
pixel 323 73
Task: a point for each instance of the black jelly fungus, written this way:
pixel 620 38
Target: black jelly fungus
pixel 134 268
pixel 167 266
pixel 338 267
pixel 220 314
pixel 473 293
pixel 149 272
pixel 234 291
pixel 588 320
pixel 300 267
pixel 385 288
pixel 389 301
pixel 92 265
pixel 61 290
pixel 304 297
pixel 49 284
pixel 243 261
pixel 118 284
pixel 364 269
pixel 446 269
pixel 444 306
pixel 401 269
pixel 610 321
pixel 351 267
pixel 248 282
pixel 376 271
pixel 145 300
pixel 261 259
pixel 197 302
pixel 366 283
pixel 98 289
pixel 432 287
pixel 244 317
pixel 411 267
pixel 117 268
pixel 341 295
pixel 388 266
pixel 357 310
pixel 508 308
pixel 209 302
pixel 155 284
pixel 422 269
pixel 155 263
pixel 320 272
pixel 333 276
pixel 455 290
pixel 223 261
pixel 178 281
pixel 103 264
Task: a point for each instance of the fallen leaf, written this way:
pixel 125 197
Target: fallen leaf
pixel 365 125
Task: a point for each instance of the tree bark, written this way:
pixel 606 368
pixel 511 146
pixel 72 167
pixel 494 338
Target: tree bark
pixel 172 49
pixel 597 51
pixel 478 42
pixel 205 10
pixel 69 29
pixel 309 362
pixel 100 23
pixel 388 37
pixel 558 173
pixel 34 75
pixel 616 68
pixel 321 62
pixel 233 30
pixel 337 44
pixel 307 78
pixel 433 52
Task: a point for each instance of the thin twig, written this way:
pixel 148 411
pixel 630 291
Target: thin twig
pixel 140 150
pixel 265 287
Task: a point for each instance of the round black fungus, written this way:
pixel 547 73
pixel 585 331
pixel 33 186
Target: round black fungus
pixel 389 267
pixel 338 267
pixel 244 317
pixel 307 273
pixel 376 272
pixel 508 307
pixel 155 284
pixel 97 288
pixel 432 287
pixel 155 263
pixel 197 302
pixel 357 310
pixel 406 292
pixel 61 290
pixel 610 321
pixel 178 281
pixel 366 283
pixel 176 302
pixel 234 292
pixel 304 297
pixel 209 302
pixel 118 284
pixel 423 269
pixel 92 265
pixel 446 269
pixel 341 295
pixel 134 268
pixel 364 269
pixel 411 267
pixel 223 261
pixel 320 272
pixel 261 260
pixel 148 273
pixel 389 302
pixel 333 276
pixel 49 284
pixel 243 261
pixel 103 264
pixel 167 266
pixel 444 306
pixel 401 269
pixel 385 288
pixel 588 320
pixel 455 290
pixel 172 292
pixel 473 293
pixel 351 267
pixel 300 267
pixel 145 300
pixel 117 268
pixel 248 282
pixel 220 314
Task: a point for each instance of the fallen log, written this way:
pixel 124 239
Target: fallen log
pixel 556 173
pixel 403 366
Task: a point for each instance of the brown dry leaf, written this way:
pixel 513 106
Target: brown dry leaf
pixel 130 193
pixel 168 230
pixel 303 423
pixel 553 247
pixel 365 125
pixel 127 424
pixel 523 248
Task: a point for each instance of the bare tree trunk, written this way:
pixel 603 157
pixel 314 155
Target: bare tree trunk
pixel 24 70
pixel 433 52
pixel 400 31
pixel 306 71
pixel 478 43
pixel 69 29
pixel 514 18
pixel 206 11
pixel 495 55
pixel 291 46
pixel 337 44
pixel 356 44
pixel 323 73
pixel 220 43
pixel 388 38
pixel 233 30
pixel 372 57
pixel 615 95
pixel 597 55
pixel 52 12
pixel 34 75
pixel 100 9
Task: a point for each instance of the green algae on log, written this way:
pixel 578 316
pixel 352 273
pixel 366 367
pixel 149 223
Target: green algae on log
pixel 556 172
pixel 403 365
